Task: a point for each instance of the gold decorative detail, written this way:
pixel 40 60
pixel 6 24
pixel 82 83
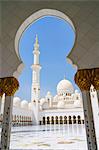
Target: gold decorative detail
pixel 86 77
pixel 8 85
pixel 1 91
pixel 82 79
pixel 95 73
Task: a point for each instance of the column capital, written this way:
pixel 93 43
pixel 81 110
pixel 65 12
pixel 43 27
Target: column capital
pixel 95 81
pixel 85 77
pixel 8 85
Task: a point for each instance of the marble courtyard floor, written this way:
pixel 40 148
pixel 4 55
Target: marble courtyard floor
pixel 51 137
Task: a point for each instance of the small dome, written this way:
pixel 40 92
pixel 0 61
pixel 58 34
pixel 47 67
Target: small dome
pixel 42 101
pixel 76 91
pixel 24 104
pixel 61 104
pixel 65 86
pixel 48 93
pixel 48 96
pixel 16 102
pixel 77 95
pixel 45 105
pixel 30 106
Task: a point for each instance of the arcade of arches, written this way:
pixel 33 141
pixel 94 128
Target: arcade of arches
pixel 18 120
pixel 62 120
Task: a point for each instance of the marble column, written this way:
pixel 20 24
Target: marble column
pixel 6 124
pixel 98 96
pixel 84 79
pixel 89 121
pixel 9 85
pixel 95 82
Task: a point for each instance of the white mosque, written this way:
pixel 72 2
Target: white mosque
pixel 63 108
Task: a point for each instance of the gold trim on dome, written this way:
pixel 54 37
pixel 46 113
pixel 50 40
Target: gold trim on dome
pixel 8 85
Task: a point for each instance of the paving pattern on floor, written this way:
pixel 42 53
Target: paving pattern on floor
pixel 49 137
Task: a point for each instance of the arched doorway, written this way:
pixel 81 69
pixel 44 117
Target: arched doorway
pixel 82 121
pixel 40 14
pixel 74 119
pixel 48 120
pixel 61 120
pixel 17 120
pixel 65 119
pixel 52 120
pixel 79 119
pixel 56 119
pixel 20 120
pixel 34 17
pixel 43 120
pixel 70 121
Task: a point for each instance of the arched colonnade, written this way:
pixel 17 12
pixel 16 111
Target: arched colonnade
pixel 61 120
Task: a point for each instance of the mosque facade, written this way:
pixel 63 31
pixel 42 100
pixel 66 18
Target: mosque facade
pixel 63 108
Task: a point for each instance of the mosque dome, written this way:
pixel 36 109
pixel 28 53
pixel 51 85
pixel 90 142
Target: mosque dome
pixel 76 91
pixel 65 86
pixel 42 101
pixel 30 106
pixel 16 102
pixel 48 95
pixel 60 104
pixel 24 104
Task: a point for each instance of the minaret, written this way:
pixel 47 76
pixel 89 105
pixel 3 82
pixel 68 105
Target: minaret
pixel 35 93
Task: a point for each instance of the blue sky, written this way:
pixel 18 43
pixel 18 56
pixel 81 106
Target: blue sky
pixel 56 39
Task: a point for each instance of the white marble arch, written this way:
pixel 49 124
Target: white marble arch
pixel 34 17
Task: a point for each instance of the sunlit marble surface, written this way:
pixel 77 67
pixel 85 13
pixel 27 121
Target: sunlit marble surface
pixel 51 137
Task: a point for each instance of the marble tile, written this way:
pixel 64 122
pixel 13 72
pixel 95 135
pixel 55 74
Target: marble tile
pixel 49 138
